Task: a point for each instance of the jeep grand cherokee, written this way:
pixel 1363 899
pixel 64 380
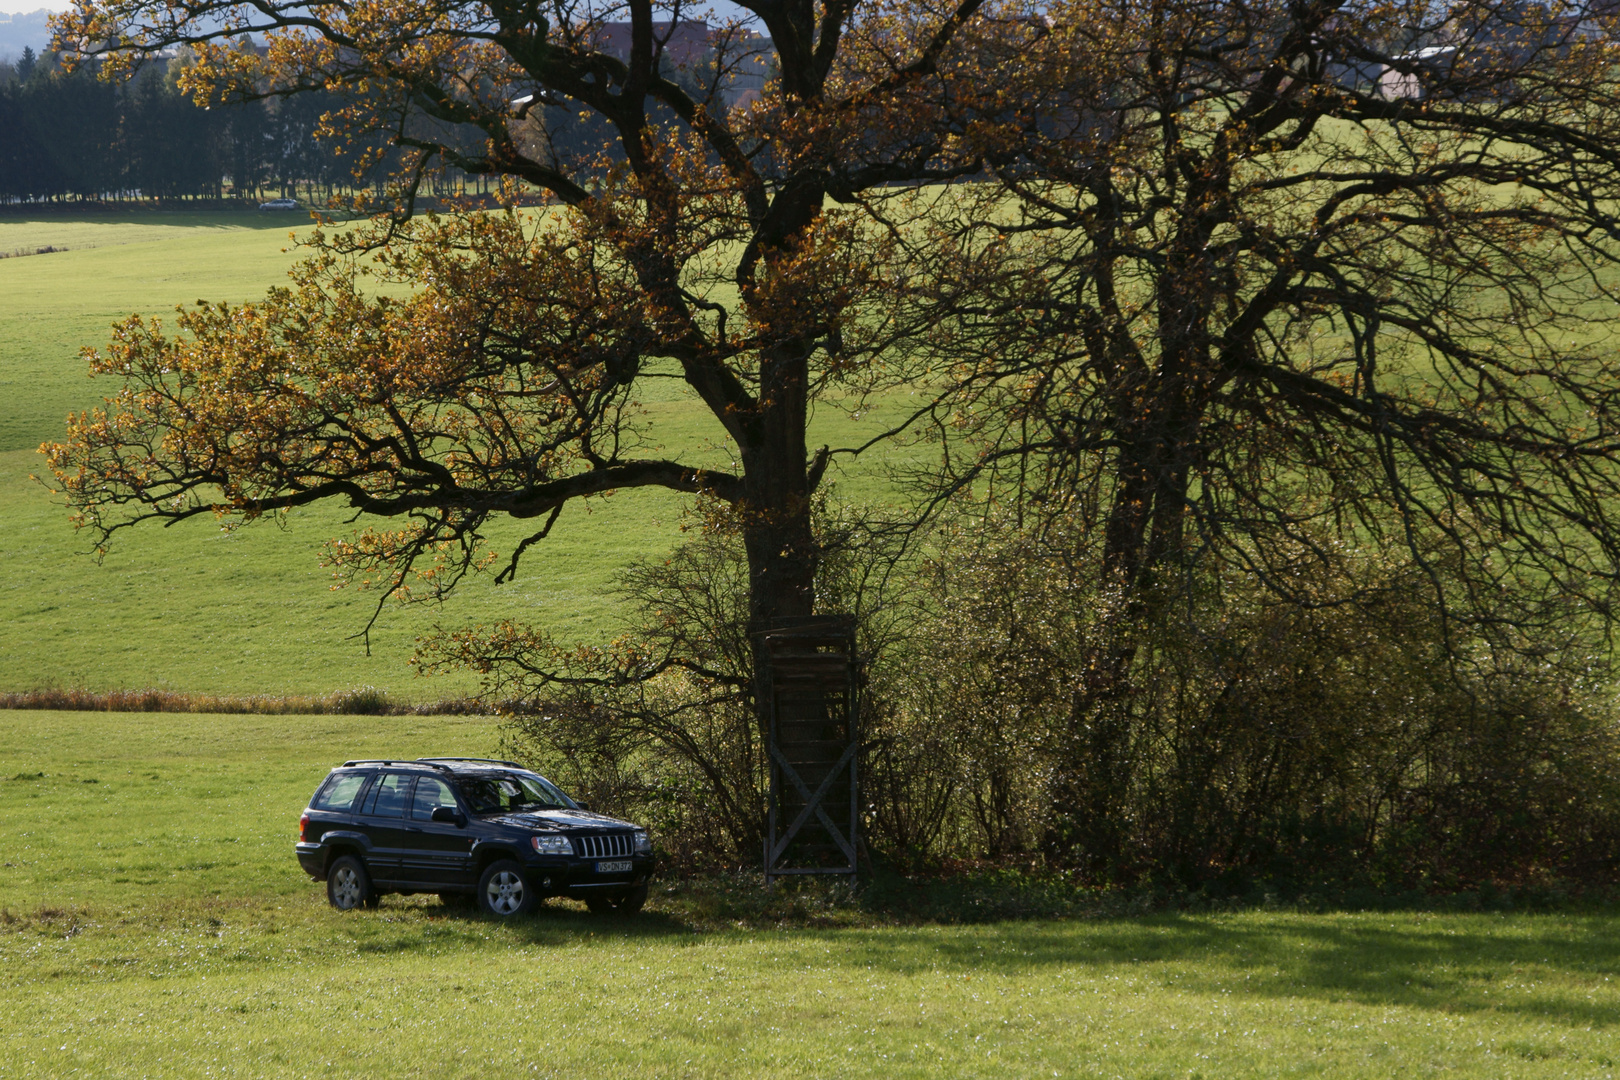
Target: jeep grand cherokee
pixel 462 827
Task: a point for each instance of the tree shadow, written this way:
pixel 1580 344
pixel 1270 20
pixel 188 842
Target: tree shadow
pixel 1441 963
pixel 102 213
pixel 560 923
pixel 1540 966
pixel 244 218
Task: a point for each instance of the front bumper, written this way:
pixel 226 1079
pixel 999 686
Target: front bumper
pixel 564 876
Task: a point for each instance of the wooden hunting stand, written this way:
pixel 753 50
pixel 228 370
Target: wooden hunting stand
pixel 812 744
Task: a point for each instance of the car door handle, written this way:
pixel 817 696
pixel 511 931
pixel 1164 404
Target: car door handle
pixel 413 828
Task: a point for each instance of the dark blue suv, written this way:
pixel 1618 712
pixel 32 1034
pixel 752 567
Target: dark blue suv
pixel 467 827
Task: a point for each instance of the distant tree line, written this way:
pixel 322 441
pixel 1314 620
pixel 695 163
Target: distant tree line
pixel 71 137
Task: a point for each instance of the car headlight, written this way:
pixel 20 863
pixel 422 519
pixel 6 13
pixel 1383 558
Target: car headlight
pixel 552 844
pixel 643 842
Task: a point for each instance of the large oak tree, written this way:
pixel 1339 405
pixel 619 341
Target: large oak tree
pixel 1251 280
pixel 1281 281
pixel 444 371
pixel 1249 263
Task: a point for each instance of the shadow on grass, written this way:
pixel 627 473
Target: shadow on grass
pixel 1534 965
pixel 555 922
pixel 1537 966
pixel 234 217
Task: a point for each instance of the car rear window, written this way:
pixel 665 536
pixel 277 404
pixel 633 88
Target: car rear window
pixel 338 792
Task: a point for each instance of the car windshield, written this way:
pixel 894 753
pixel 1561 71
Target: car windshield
pixel 512 791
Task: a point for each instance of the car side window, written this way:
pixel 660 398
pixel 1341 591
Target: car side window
pixel 430 795
pixel 339 791
pixel 389 795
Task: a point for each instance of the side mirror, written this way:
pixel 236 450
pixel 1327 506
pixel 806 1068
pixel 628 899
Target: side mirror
pixel 583 806
pixel 448 815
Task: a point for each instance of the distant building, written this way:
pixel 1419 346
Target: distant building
pixel 752 60
pixel 1477 57
pixel 1396 83
pixel 684 46
pixel 692 45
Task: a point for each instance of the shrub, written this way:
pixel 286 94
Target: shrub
pixel 1343 732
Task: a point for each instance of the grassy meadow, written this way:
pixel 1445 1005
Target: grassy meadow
pixel 153 922
pixel 192 608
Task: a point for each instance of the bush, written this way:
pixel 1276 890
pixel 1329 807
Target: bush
pixel 1344 732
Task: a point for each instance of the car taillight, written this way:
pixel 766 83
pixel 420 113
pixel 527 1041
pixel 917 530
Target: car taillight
pixel 303 827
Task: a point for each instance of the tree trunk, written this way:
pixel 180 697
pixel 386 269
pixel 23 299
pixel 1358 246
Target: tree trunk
pixel 777 532
pixel 1159 419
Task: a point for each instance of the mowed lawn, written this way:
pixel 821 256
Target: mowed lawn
pixel 153 923
pixel 192 608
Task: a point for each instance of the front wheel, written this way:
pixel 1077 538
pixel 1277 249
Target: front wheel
pixel 348 886
pixel 504 892
pixel 627 903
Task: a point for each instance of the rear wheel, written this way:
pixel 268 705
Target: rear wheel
pixel 504 892
pixel 626 903
pixel 348 886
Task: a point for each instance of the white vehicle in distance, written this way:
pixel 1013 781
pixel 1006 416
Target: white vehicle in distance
pixel 279 204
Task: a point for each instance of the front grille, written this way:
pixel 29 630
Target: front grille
pixel 604 845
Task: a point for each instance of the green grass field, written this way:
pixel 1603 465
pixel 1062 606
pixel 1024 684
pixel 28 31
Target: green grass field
pixel 153 922
pixel 193 609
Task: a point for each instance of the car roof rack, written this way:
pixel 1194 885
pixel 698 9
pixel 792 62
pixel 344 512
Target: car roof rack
pixel 471 761
pixel 386 761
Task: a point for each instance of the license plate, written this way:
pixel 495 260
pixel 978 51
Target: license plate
pixel 617 866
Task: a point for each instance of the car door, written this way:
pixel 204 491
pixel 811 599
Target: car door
pixel 383 818
pixel 438 852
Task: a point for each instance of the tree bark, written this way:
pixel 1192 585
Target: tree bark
pixel 1159 417
pixel 775 508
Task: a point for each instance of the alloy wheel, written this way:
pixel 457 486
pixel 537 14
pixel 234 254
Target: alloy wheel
pixel 505 893
pixel 346 891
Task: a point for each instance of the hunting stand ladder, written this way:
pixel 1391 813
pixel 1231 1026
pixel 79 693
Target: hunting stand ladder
pixel 812 746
